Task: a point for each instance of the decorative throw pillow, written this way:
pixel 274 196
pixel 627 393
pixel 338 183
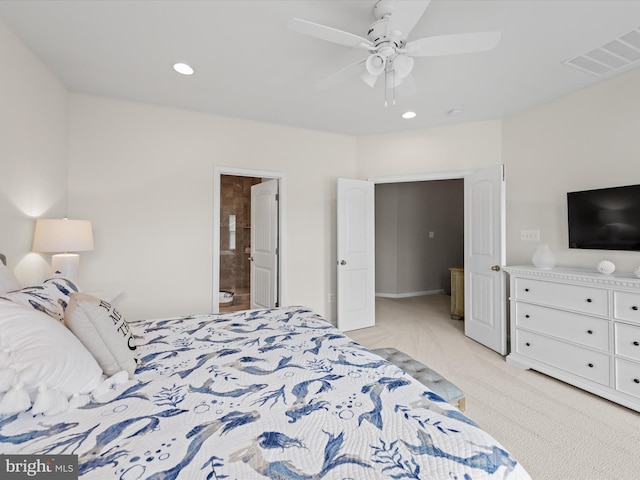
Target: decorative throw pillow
pixel 50 297
pixel 103 331
pixel 43 366
pixel 8 281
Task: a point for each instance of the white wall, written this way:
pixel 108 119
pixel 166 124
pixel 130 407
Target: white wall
pixel 144 176
pixel 432 150
pixel 586 140
pixel 33 153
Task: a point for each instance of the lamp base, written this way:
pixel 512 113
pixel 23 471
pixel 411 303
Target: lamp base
pixel 66 264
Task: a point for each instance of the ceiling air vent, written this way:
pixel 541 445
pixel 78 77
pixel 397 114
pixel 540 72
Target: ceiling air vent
pixel 617 54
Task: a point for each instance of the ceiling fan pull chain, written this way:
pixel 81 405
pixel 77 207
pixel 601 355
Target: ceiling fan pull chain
pixel 394 87
pixel 385 89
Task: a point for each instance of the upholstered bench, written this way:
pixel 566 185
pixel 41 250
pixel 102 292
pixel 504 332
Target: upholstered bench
pixel 432 379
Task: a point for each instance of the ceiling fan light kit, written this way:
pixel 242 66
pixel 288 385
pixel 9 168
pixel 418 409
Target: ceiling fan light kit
pixel 389 50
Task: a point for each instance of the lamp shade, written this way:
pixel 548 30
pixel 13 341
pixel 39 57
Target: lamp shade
pixel 62 235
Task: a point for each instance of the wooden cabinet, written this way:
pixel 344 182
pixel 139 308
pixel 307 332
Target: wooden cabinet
pixel 579 326
pixel 457 292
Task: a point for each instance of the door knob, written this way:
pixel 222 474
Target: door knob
pixel 342 262
pixel 496 268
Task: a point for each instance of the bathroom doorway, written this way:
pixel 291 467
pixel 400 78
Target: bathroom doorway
pixel 248 247
pixel 235 242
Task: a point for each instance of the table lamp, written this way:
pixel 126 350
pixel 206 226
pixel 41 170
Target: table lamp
pixel 62 236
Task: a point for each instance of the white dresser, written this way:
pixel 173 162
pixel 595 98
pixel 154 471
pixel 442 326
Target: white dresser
pixel 580 327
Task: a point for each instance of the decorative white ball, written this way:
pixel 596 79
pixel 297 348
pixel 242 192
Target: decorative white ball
pixel 637 272
pixel 606 267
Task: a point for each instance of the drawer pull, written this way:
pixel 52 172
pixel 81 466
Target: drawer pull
pixel 528 344
pixel 590 332
pixel 527 316
pixel 634 307
pixel 636 343
pixel 589 300
pixel 590 365
pixel 636 380
pixel 526 289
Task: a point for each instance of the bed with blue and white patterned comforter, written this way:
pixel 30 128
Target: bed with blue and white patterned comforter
pixel 277 394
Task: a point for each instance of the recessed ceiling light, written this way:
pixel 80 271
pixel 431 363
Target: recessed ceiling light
pixel 408 114
pixel 183 69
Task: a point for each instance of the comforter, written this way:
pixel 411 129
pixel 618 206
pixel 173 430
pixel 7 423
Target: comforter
pixel 277 394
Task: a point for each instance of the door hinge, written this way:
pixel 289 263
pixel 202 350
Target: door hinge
pixel 277 197
pixel 277 251
pixel 277 304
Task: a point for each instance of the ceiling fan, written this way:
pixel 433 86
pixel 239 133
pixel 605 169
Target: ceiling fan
pixel 389 51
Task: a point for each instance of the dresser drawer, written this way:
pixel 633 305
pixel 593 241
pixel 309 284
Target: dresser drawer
pixel 589 364
pixel 627 341
pixel 626 306
pixel 572 297
pixel 589 331
pixel 628 377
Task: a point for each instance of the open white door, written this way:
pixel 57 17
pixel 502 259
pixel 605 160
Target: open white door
pixel 264 244
pixel 356 254
pixel 484 256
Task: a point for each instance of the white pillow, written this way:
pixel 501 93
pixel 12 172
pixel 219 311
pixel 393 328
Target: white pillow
pixel 41 363
pixel 8 281
pixel 103 331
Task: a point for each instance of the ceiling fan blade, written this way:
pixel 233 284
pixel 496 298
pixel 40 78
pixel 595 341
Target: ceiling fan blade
pixel 453 44
pixel 340 76
pixel 405 15
pixel 329 33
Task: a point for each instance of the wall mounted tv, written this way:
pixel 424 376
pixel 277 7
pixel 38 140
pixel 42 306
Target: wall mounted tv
pixel 605 219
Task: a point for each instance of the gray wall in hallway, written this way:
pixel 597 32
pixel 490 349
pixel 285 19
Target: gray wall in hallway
pixel 407 260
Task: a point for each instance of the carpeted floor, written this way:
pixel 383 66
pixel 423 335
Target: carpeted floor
pixel 558 432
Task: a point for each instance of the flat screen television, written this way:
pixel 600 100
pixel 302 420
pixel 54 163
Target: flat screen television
pixel 605 219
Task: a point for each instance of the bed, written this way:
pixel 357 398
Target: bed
pixel 277 394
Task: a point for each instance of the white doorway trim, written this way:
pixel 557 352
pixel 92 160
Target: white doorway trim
pixel 282 222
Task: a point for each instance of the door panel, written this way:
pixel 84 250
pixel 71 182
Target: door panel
pixel 264 245
pixel 356 254
pixel 485 302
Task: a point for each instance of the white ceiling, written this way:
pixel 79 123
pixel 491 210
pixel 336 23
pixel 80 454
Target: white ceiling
pixel 250 65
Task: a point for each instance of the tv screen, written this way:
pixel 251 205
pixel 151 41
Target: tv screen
pixel 605 219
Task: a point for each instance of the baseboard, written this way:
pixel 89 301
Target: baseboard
pixel 410 294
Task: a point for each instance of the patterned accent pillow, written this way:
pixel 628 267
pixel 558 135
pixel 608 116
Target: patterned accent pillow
pixel 50 297
pixel 103 331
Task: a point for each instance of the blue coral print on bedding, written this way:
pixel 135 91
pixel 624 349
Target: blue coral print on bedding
pixel 277 394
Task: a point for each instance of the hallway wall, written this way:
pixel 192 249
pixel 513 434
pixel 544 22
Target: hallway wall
pixel 408 260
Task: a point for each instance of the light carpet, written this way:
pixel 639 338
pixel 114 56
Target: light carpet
pixel 556 431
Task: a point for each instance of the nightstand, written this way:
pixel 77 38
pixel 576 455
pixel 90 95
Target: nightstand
pixel 457 292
